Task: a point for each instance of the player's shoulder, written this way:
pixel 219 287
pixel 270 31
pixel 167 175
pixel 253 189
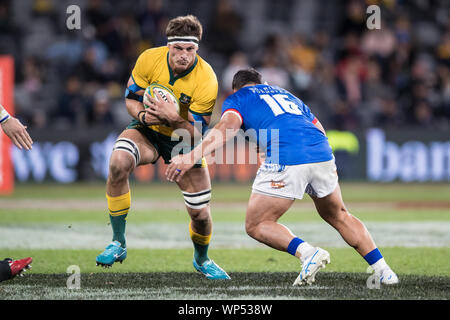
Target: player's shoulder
pixel 155 53
pixel 245 92
pixel 206 84
pixel 233 100
pixel 205 69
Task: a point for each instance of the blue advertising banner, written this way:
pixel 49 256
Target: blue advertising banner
pixel 374 155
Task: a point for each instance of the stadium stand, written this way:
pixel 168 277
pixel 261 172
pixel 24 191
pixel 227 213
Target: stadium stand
pixel 350 76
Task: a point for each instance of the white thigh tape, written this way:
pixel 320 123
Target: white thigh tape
pixel 128 146
pixel 197 200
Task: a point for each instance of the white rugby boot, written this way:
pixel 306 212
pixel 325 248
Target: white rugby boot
pixel 311 265
pixel 388 277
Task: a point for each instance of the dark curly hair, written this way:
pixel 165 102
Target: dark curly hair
pixel 185 26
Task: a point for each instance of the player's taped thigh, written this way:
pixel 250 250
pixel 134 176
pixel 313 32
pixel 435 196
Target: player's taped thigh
pixel 197 200
pixel 129 146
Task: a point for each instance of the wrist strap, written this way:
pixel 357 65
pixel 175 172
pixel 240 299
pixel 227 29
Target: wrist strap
pixel 4 116
pixel 143 118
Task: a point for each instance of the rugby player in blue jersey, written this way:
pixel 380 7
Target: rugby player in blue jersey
pixel 298 160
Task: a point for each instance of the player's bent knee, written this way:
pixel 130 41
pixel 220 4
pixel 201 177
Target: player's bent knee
pixel 342 215
pixel 341 219
pixel 117 174
pixel 249 228
pixel 120 167
pixel 252 229
pixel 201 217
pixel 335 214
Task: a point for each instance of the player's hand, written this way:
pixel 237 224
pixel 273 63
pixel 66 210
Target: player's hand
pixel 148 117
pixel 161 109
pixel 151 120
pixel 17 133
pixel 178 166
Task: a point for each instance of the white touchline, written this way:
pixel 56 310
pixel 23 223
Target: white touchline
pixel 227 235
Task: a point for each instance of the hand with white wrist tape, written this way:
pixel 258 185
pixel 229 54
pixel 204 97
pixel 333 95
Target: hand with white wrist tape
pixel 15 130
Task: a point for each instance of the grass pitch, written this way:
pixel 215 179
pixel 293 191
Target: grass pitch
pixel 60 226
pixel 244 285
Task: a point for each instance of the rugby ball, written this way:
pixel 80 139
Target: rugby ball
pixel 165 92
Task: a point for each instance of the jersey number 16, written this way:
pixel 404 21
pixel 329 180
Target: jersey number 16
pixel 280 103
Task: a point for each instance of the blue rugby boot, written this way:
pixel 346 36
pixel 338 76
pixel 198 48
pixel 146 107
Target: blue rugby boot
pixel 113 253
pixel 211 270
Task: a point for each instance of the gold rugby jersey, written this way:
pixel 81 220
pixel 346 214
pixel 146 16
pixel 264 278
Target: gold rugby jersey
pixel 196 88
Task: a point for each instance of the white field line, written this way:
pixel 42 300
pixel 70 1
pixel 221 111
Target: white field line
pixel 165 293
pixel 170 204
pixel 225 235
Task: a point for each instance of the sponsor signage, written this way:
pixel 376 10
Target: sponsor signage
pixel 374 155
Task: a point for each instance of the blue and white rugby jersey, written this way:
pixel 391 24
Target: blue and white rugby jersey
pixel 283 125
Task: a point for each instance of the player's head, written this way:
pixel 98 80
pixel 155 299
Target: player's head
pixel 183 36
pixel 245 77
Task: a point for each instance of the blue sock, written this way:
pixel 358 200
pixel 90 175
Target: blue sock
pixel 373 256
pixel 293 245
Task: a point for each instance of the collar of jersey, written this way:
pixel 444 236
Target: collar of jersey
pixel 181 75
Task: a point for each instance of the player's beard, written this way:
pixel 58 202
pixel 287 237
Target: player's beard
pixel 180 68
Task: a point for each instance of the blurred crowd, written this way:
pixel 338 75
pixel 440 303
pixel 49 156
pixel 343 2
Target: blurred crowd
pixel 351 77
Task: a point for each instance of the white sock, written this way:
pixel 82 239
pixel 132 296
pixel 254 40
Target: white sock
pixel 305 250
pixel 380 265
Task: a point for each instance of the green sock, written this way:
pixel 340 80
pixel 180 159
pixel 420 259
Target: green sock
pixel 200 253
pixel 118 211
pixel 201 244
pixel 118 224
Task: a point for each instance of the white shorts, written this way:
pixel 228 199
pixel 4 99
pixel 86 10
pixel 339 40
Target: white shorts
pixel 317 179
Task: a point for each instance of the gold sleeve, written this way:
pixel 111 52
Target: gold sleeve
pixel 140 70
pixel 204 103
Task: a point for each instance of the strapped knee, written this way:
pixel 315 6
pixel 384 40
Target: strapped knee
pixel 129 146
pixel 197 200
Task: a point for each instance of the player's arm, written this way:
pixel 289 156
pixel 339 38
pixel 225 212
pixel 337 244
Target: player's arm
pixel 200 110
pixel 200 122
pixel 226 129
pixel 223 131
pixel 134 97
pixel 134 101
pixel 136 85
pixel 165 111
pixel 14 129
